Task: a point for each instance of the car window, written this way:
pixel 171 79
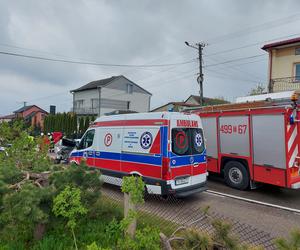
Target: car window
pixel 187 141
pixel 180 141
pixel 197 140
pixel 87 139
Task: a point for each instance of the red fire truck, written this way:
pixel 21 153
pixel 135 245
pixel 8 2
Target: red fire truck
pixel 253 143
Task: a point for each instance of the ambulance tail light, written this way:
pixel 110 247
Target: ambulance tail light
pixel 166 173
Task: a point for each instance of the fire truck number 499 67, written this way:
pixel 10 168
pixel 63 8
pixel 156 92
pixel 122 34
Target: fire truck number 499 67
pixel 233 129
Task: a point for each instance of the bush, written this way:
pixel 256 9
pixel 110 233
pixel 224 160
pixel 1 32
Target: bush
pixel 197 240
pixel 292 243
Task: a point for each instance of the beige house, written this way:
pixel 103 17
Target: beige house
pixel 284 65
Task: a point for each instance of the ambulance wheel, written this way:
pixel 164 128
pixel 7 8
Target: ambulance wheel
pixel 236 175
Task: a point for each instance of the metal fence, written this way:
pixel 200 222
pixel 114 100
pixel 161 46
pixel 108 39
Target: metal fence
pixel 171 213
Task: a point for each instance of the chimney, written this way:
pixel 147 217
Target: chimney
pixel 52 110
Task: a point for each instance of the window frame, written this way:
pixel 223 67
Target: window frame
pixel 82 142
pixel 297 77
pixel 95 100
pixel 191 150
pixel 129 88
pixel 297 51
pixel 77 102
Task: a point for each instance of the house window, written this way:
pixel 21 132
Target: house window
pixel 79 104
pixel 129 88
pixel 95 103
pixel 297 72
pixel 297 51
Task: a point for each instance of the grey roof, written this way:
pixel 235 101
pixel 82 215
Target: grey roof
pixel 23 109
pixel 104 82
pixel 95 84
pixel 208 100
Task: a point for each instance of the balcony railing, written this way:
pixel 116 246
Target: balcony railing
pixel 86 111
pixel 284 84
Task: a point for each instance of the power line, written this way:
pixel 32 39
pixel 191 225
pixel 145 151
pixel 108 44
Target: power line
pixel 256 28
pixel 227 76
pixel 249 45
pixel 235 68
pixel 240 64
pixel 234 60
pixel 33 50
pixel 163 71
pixel 95 63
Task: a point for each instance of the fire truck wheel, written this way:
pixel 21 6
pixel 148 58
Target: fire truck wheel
pixel 236 175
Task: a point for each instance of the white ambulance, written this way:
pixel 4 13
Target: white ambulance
pixel 166 148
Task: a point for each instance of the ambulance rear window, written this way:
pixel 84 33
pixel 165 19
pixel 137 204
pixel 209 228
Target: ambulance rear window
pixel 187 141
pixel 180 141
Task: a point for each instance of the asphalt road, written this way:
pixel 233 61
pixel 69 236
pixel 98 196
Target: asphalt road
pixel 265 193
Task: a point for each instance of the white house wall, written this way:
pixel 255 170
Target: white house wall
pixel 139 99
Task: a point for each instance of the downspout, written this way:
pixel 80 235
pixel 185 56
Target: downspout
pixel 149 103
pixel 99 102
pixel 73 101
pixel 270 88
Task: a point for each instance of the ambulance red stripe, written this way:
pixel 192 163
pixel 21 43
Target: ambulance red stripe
pixel 118 123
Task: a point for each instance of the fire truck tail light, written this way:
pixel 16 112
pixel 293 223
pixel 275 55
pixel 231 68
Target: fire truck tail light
pixel 295 171
pixel 166 173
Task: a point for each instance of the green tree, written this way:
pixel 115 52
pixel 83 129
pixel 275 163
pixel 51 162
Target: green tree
pixel 93 118
pixel 68 205
pixel 81 125
pixel 28 183
pixel 86 123
pixel 258 90
pixel 64 127
pixel 74 124
pixel 46 124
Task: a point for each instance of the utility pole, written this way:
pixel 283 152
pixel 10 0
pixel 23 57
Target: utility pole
pixel 200 78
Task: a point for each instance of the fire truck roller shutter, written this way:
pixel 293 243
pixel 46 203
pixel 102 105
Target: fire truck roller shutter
pixel 210 134
pixel 234 135
pixel 269 143
pixel 269 140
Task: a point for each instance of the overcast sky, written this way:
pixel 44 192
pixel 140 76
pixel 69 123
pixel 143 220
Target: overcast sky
pixel 137 32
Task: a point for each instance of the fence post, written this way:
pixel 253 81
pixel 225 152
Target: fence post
pixel 129 206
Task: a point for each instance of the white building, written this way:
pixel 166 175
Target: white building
pixel 115 93
pixel 279 96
